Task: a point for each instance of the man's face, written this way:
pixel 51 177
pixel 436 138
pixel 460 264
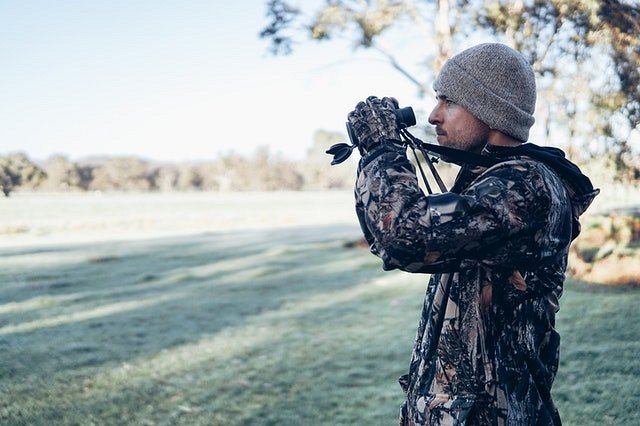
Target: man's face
pixel 458 128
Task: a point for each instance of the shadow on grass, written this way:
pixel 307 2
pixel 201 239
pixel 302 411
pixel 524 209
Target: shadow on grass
pixel 320 359
pixel 154 295
pixel 194 323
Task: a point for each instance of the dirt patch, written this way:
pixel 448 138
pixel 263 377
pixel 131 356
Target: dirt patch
pixel 608 250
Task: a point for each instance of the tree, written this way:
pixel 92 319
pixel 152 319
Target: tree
pixel 270 172
pixel 189 178
pixel 16 170
pixel 62 174
pixel 316 170
pixel 586 54
pixel 122 174
pixel 8 178
pixel 166 178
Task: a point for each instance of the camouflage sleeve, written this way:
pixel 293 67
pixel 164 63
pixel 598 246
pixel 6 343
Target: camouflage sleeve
pixel 417 233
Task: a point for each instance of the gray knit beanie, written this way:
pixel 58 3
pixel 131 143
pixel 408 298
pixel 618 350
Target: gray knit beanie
pixel 495 84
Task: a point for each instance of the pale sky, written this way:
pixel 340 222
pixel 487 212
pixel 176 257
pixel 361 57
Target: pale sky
pixel 171 80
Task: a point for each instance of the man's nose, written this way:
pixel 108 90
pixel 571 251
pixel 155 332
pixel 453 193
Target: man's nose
pixel 435 117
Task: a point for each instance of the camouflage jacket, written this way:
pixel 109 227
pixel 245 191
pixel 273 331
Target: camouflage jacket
pixel 486 351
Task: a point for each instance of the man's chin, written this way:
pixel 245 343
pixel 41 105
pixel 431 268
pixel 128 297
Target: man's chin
pixel 444 141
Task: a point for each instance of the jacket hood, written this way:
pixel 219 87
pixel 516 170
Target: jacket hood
pixel 579 186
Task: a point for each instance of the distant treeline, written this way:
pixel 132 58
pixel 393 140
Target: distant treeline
pixel 262 171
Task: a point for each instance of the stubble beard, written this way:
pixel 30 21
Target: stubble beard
pixel 471 141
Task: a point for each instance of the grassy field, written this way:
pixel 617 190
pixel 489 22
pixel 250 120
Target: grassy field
pixel 203 309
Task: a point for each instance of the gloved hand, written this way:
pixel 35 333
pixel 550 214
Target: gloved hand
pixel 374 122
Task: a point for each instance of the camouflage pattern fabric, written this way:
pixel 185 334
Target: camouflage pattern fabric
pixel 486 351
pixel 374 121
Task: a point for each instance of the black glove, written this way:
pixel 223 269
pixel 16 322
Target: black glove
pixel 374 122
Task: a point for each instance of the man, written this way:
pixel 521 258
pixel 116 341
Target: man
pixel 486 351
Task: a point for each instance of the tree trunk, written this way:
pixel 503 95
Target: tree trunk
pixel 443 35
